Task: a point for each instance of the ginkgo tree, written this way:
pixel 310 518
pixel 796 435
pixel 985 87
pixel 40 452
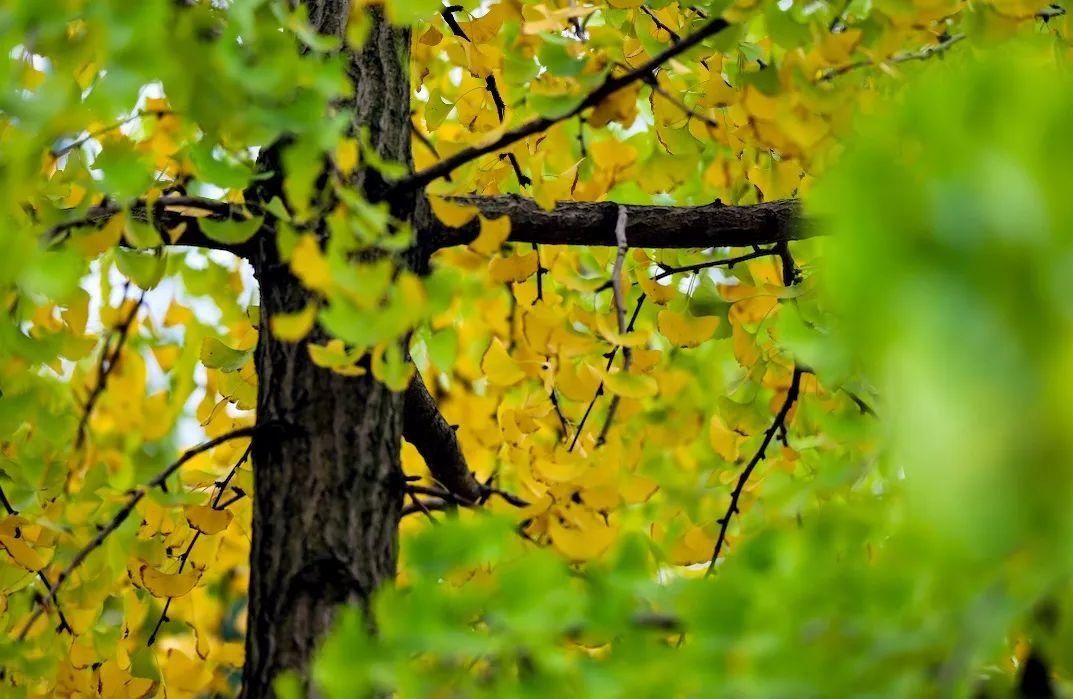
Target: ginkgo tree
pixel 530 283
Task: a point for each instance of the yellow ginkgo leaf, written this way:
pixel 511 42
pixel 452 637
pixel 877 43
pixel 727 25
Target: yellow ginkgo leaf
pixel 167 584
pixel 336 357
pixel 21 553
pixel 452 214
pixel 206 519
pixel 310 265
pixel 185 674
pixel 562 467
pixel 609 330
pixel 685 330
pixel 723 440
pixel 82 655
pixel 499 366
pixel 695 546
pixel 658 292
pixel 744 346
pixel 629 385
pixel 292 327
pixel 494 232
pixel 513 268
pixel 752 310
pixel 347 155
pixel 582 537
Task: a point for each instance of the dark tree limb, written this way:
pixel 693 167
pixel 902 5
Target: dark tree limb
pixel 425 427
pixel 593 223
pixel 166 214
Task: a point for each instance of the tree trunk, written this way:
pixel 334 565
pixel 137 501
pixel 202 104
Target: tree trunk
pixel 327 472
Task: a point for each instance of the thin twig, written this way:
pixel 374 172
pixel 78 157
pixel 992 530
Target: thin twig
pixel 690 112
pixel 556 404
pixel 729 263
pixel 541 270
pixel 610 86
pixel 220 487
pixel 492 87
pixel 108 362
pixel 600 388
pixel 620 313
pixel 133 498
pixel 777 425
pixel 919 55
pixel 79 142
pixel 6 503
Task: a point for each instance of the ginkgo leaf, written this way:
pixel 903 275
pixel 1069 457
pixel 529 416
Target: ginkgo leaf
pixel 207 519
pixel 695 546
pixel 452 214
pixel 347 155
pixel 336 357
pixel 513 268
pixel 631 338
pixel 561 467
pixel 410 11
pixel 659 292
pixel 499 367
pixel 310 265
pixel 685 330
pixel 185 674
pixel 292 327
pixel 582 538
pixel 163 585
pixel 723 440
pixel 144 268
pixel 231 232
pixel 629 385
pixel 390 366
pixel 21 553
pixel 494 232
pixel 216 355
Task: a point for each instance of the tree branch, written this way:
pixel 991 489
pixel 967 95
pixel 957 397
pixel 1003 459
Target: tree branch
pixel 108 360
pixel 165 214
pixel 593 223
pixel 922 54
pixel 777 426
pixel 608 87
pixel 133 498
pixel 425 427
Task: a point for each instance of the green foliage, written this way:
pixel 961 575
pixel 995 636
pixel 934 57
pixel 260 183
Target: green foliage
pixel 906 531
pixel 921 568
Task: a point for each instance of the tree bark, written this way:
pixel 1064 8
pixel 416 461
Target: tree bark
pixel 593 223
pixel 329 484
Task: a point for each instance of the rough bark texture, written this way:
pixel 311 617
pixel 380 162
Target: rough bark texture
pixel 328 484
pixel 593 223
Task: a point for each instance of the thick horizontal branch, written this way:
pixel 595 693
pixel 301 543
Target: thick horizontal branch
pixel 593 223
pixel 608 87
pixel 166 214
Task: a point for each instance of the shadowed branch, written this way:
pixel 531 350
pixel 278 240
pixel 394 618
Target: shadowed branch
pixel 593 223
